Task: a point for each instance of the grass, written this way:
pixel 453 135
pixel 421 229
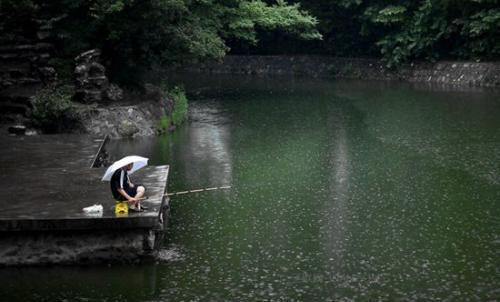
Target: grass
pixel 179 114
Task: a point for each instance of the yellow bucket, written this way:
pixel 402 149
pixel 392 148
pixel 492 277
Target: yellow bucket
pixel 121 208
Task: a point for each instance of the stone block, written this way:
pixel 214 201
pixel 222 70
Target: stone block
pixel 17 129
pixel 114 93
pixel 81 70
pixel 88 56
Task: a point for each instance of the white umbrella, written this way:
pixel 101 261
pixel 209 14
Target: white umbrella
pixel 138 162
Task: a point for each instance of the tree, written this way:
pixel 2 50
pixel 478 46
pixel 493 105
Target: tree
pixel 431 29
pixel 134 33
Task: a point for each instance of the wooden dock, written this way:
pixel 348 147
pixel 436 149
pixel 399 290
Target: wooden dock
pixel 47 181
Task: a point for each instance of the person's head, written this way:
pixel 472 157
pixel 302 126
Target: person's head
pixel 128 167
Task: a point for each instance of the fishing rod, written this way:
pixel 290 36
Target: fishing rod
pixel 188 191
pixel 198 190
pixel 258 184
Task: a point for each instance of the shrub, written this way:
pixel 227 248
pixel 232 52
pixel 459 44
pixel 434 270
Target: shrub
pixel 179 112
pixel 53 110
pixel 179 115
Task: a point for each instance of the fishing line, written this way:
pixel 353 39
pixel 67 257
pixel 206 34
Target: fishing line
pixel 198 190
pixel 260 184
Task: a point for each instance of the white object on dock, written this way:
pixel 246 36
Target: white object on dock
pixel 95 209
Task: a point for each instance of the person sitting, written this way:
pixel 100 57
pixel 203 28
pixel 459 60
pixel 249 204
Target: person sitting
pixel 124 190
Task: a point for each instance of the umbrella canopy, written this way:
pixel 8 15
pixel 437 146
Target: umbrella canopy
pixel 138 162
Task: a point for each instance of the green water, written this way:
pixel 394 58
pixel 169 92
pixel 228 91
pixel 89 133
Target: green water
pixel 341 191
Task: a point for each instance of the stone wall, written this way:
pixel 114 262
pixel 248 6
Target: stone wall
pixel 458 73
pixel 82 247
pixel 24 67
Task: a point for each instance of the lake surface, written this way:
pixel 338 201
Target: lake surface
pixel 341 191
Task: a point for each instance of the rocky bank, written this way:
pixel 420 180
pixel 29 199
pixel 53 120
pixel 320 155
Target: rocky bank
pixel 117 121
pixel 101 107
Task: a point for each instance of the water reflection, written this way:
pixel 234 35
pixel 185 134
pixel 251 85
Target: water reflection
pixel 336 207
pixel 205 155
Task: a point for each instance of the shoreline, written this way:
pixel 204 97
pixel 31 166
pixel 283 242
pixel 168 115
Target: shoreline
pixel 458 73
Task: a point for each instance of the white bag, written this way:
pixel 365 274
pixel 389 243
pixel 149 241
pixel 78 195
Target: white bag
pixel 95 209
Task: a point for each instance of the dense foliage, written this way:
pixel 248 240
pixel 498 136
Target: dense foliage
pixel 405 30
pixel 434 29
pixel 135 33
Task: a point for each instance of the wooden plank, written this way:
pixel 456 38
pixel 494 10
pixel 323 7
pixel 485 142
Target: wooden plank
pixel 99 151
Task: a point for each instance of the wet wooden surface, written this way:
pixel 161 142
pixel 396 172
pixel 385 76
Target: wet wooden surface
pixel 48 179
